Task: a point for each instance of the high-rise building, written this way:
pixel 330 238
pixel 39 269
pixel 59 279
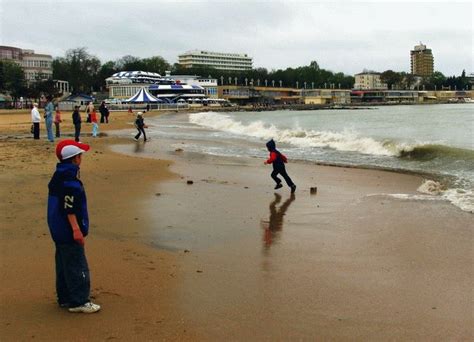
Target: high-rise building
pixel 421 61
pixel 218 60
pixel 35 66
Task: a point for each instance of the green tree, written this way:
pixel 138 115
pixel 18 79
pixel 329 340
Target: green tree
pixel 156 64
pixel 391 78
pixel 79 68
pixel 12 79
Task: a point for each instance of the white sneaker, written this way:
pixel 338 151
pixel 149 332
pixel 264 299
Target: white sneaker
pixel 88 307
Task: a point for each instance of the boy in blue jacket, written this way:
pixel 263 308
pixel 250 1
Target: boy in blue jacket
pixel 68 222
pixel 278 160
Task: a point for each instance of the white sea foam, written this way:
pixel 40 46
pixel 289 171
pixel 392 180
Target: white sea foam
pixel 343 141
pixel 433 191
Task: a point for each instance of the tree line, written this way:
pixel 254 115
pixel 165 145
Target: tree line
pixel 86 74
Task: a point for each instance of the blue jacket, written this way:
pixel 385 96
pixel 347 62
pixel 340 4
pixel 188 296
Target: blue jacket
pixel 66 196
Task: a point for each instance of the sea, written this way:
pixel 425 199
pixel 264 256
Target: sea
pixel 436 141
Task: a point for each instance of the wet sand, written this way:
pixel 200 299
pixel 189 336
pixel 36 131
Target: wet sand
pixel 225 258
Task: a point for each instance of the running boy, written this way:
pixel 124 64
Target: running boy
pixel 140 125
pixel 278 160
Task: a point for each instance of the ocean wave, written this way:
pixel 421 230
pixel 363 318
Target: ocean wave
pixel 432 151
pixel 347 140
pixel 343 141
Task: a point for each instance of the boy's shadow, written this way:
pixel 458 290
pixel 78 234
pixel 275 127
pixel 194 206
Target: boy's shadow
pixel 272 227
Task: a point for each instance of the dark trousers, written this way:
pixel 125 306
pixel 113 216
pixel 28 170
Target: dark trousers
pixel 72 275
pixel 140 131
pixel 102 118
pixel 58 132
pixel 282 172
pixel 36 130
pixel 77 131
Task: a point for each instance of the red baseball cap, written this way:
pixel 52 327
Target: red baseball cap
pixel 69 148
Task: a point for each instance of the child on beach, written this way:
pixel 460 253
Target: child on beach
pixel 57 121
pixel 140 125
pixel 95 124
pixel 76 120
pixel 68 222
pixel 278 160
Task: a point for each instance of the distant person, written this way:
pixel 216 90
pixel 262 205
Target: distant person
pixel 57 122
pixel 278 160
pixel 48 115
pixel 76 120
pixel 68 222
pixel 104 113
pixel 35 119
pixel 130 110
pixel 148 107
pixel 140 125
pixel 95 124
pixel 89 109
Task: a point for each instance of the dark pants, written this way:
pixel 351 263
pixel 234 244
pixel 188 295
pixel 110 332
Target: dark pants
pixel 102 118
pixel 77 131
pixel 36 130
pixel 58 133
pixel 140 131
pixel 282 172
pixel 72 275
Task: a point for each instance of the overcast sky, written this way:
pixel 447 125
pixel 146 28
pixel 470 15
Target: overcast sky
pixel 346 36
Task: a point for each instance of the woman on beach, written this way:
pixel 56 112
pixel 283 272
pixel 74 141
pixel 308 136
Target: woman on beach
pixel 57 121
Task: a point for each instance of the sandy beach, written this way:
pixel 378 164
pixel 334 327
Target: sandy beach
pixel 227 258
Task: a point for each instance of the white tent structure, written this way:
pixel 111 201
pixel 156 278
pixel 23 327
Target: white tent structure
pixel 143 96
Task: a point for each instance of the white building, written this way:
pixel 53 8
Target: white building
pixel 368 80
pixel 218 60
pixel 209 84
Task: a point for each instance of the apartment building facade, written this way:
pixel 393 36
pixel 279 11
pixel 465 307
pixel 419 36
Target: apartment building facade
pixel 422 61
pixel 218 60
pixel 369 80
pixel 35 66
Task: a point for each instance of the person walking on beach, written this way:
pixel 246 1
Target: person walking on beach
pixel 68 223
pixel 95 124
pixel 104 113
pixel 140 125
pixel 76 120
pixel 35 119
pixel 89 109
pixel 278 160
pixel 57 121
pixel 48 115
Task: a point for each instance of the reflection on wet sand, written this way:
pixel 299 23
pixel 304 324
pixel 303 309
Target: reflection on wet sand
pixel 272 227
pixel 139 147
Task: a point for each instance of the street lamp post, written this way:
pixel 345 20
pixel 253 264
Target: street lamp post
pixel 296 84
pixel 281 83
pixel 246 81
pixel 273 83
pixel 222 80
pixel 305 84
pixel 266 83
pixel 230 80
pixel 312 85
pixel 235 80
